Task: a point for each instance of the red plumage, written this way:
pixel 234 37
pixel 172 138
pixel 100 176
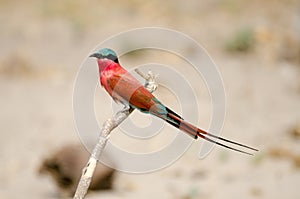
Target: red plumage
pixel 126 89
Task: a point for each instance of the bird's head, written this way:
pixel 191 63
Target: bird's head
pixel 106 53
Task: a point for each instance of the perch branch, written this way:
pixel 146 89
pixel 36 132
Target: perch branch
pixel 108 126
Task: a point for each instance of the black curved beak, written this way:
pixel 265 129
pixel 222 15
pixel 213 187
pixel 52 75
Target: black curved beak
pixel 97 55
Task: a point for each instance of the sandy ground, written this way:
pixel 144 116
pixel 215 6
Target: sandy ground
pixel 44 43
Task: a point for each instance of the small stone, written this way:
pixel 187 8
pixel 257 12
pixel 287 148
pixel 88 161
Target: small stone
pixel 295 132
pixel 65 167
pixel 280 153
pixel 255 191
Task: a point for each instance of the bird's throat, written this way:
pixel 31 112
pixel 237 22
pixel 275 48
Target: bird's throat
pixel 106 69
pixel 103 64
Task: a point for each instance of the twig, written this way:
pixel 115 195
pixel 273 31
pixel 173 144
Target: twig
pixel 108 126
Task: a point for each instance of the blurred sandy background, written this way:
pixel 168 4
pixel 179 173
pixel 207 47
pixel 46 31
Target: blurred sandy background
pixel 255 44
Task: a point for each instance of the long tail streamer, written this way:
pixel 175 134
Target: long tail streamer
pixel 195 132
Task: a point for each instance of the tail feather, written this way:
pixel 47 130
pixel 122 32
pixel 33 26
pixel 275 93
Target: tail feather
pixel 178 122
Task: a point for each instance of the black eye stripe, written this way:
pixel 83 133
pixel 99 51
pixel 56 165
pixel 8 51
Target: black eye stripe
pixel 110 56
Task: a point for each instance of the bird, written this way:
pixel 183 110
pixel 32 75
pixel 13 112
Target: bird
pixel 124 88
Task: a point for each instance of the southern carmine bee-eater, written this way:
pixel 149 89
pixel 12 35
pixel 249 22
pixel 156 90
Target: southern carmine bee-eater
pixel 126 89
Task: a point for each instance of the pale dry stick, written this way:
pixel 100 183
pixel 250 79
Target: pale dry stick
pixel 108 126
